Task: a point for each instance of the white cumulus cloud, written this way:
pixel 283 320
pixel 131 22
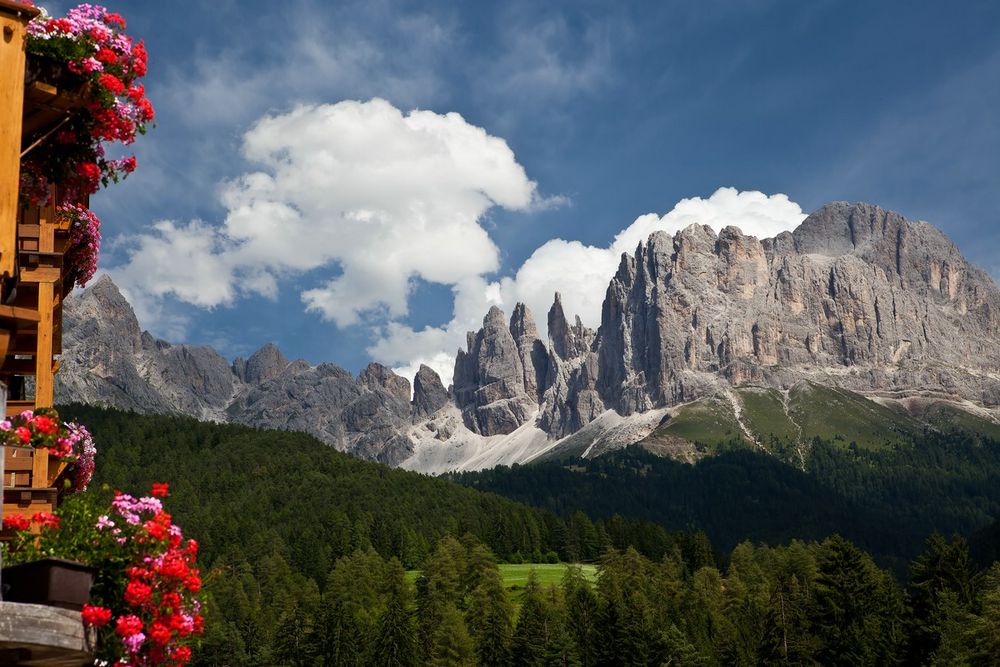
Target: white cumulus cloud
pixel 378 197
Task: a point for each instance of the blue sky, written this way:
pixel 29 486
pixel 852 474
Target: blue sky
pixel 576 118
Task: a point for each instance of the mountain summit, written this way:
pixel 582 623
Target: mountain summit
pixel 856 298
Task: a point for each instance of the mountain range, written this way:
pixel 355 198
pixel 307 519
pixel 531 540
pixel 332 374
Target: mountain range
pixel 858 324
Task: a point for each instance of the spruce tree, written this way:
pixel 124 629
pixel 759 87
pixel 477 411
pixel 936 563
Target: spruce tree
pixel 489 620
pixel 395 643
pixel 451 645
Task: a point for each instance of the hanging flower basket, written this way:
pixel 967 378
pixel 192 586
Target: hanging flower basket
pixel 55 582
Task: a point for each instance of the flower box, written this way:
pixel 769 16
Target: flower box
pixel 51 581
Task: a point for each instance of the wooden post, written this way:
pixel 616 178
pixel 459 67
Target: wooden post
pixel 13 19
pixel 44 375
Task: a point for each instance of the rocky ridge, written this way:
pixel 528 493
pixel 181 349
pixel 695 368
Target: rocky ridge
pixel 855 297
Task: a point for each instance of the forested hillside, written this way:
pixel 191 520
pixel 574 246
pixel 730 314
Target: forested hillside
pixel 887 500
pixel 305 551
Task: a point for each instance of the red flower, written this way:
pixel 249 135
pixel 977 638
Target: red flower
pixel 115 19
pixel 106 56
pixel 161 490
pixel 128 626
pixel 96 616
pixel 174 567
pixel 146 111
pixel 16 522
pixel 89 170
pixel 138 593
pixel 172 601
pixel 45 424
pixel 136 92
pixel 46 520
pixel 193 582
pixel 159 633
pixel 111 83
pixel 23 433
pixel 139 58
pixel 181 655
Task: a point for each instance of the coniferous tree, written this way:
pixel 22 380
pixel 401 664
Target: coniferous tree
pixel 352 603
pixel 858 613
pixel 395 643
pixel 534 626
pixel 489 620
pixel 582 614
pixel 451 645
pixel 940 578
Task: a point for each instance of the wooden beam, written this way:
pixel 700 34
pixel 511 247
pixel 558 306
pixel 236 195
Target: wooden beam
pixel 44 378
pixel 15 408
pixel 19 315
pixel 12 55
pixel 40 469
pixel 41 274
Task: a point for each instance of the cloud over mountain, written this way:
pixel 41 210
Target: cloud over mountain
pixel 357 201
pixel 579 272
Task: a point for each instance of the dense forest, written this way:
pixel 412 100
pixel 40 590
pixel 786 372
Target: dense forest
pixel 802 604
pixel 306 553
pixel 885 500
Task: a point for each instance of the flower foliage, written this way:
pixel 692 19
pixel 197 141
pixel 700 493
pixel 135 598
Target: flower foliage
pixel 43 428
pixel 145 598
pixel 105 64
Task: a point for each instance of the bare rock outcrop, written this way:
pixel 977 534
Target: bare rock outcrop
pixel 489 380
pixel 429 394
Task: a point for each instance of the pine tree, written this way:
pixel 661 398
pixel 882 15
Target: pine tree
pixel 533 626
pixel 858 613
pixel 489 620
pixel 943 570
pixel 582 613
pixel 395 644
pixel 451 645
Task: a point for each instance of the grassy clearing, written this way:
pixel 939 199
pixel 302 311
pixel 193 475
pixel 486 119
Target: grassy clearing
pixel 949 419
pixel 764 414
pixel 845 417
pixel 708 422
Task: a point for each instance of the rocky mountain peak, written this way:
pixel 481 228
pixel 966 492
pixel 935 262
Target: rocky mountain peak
pixel 429 394
pixel 263 365
pixel 376 375
pixel 567 340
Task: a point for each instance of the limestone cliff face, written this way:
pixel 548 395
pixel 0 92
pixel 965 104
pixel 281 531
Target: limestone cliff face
pixel 490 380
pixel 856 297
pixel 856 294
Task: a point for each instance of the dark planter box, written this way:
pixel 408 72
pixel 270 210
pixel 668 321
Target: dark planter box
pixel 52 581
